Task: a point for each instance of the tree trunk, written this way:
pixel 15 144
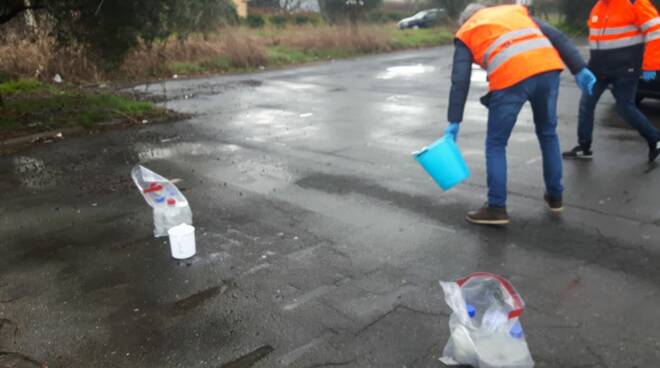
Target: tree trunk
pixel 29 16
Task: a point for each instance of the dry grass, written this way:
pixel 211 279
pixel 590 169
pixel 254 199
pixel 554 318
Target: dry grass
pixel 237 48
pixel 305 38
pixel 37 57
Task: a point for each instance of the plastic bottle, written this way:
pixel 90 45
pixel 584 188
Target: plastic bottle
pixel 504 349
pixel 461 343
pixel 160 227
pixel 494 318
pixel 170 213
pixel 177 213
pixel 517 331
pixel 471 310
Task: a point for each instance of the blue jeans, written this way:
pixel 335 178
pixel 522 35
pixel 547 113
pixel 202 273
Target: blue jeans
pixel 624 90
pixel 503 107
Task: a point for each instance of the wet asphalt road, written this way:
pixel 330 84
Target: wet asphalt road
pixel 321 242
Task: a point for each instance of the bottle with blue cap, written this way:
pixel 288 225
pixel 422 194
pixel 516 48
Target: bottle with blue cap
pixel 471 310
pixel 516 331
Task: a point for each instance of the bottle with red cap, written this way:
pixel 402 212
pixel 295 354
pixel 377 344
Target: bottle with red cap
pixel 170 213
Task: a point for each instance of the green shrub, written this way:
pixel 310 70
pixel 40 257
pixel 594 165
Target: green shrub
pixel 255 21
pixel 383 17
pixel 219 63
pixel 21 85
pixel 302 19
pixel 279 20
pixel 183 67
pixel 307 18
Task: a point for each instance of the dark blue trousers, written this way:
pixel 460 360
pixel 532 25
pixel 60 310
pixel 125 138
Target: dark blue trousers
pixel 503 108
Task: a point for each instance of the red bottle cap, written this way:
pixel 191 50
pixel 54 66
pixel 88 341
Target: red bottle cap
pixel 171 201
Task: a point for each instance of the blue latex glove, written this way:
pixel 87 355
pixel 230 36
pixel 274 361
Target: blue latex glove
pixel 586 80
pixel 452 131
pixel 648 75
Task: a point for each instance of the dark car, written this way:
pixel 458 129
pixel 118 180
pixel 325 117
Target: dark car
pixel 424 19
pixel 648 89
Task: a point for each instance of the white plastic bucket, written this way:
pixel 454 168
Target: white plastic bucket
pixel 182 241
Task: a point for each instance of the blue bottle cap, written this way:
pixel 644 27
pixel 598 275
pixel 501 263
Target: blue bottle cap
pixel 516 331
pixel 471 310
pixel 160 199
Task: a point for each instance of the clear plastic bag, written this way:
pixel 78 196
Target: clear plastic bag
pixel 170 207
pixel 485 331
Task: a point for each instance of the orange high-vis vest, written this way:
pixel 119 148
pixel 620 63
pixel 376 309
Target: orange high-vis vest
pixel 509 45
pixel 617 24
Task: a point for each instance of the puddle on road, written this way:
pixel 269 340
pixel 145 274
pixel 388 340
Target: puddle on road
pixel 259 172
pixel 268 124
pixel 268 116
pixel 406 71
pixel 280 87
pixel 402 104
pixel 149 152
pixel 266 168
pixel 159 92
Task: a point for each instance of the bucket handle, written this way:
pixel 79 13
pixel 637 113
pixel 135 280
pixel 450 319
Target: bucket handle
pixel 420 152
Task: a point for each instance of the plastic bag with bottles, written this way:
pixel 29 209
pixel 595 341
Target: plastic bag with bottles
pixel 170 207
pixel 485 330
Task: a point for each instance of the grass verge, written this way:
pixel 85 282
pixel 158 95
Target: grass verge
pixel 29 106
pixel 280 47
pixel 416 38
pixel 32 106
pixel 229 49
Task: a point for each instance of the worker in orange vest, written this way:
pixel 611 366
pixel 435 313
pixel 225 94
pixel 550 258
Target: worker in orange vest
pixel 523 58
pixel 624 37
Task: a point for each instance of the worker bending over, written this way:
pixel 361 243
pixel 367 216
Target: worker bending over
pixel 523 58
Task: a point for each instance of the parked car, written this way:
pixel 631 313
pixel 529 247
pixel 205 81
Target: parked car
pixel 650 89
pixel 424 19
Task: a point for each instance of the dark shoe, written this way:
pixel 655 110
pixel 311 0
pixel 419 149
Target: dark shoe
pixel 488 216
pixel 654 151
pixel 578 153
pixel 556 204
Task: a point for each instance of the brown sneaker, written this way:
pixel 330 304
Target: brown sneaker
pixel 487 215
pixel 555 204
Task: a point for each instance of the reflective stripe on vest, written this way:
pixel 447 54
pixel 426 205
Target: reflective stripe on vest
pixel 515 50
pixel 651 23
pixel 508 37
pixel 617 43
pixel 651 36
pixel 611 30
pixel 507 43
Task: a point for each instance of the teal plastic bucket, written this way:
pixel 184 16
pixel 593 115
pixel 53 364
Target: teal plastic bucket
pixel 444 162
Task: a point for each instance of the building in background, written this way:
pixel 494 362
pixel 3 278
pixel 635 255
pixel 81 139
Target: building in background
pixel 241 7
